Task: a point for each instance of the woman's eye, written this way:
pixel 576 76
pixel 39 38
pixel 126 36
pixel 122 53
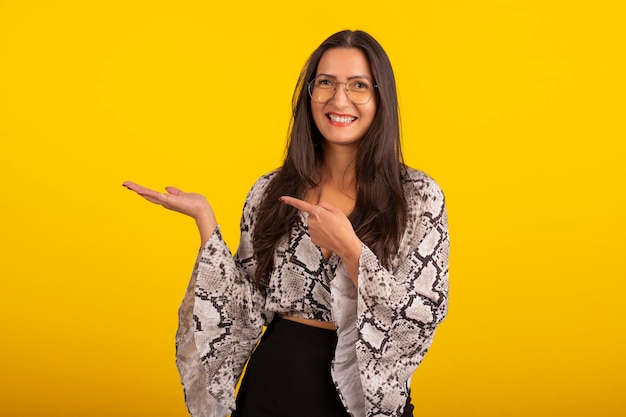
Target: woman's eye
pixel 360 85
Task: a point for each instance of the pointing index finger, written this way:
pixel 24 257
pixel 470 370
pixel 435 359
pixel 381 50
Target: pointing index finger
pixel 299 204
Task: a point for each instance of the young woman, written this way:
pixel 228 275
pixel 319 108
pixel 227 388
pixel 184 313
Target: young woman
pixel 343 256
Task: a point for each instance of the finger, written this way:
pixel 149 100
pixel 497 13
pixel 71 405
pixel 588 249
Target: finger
pixel 150 195
pixel 173 190
pixel 329 207
pixel 299 204
pixel 153 200
pixel 131 185
pixel 137 188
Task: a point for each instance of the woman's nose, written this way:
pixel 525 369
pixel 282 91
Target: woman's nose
pixel 341 95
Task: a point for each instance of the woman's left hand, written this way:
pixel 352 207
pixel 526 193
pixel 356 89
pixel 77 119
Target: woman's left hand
pixel 330 229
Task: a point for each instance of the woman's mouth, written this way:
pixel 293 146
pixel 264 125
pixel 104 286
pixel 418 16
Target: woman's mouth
pixel 340 118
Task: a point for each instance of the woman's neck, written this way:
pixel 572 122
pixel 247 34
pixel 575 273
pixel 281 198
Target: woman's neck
pixel 339 166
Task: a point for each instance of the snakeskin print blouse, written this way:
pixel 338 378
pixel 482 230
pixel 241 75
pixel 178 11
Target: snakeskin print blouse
pixel 384 327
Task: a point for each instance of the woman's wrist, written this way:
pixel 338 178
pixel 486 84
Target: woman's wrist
pixel 207 224
pixel 351 258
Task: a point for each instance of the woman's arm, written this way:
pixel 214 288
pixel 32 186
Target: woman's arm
pixel 223 311
pixel 399 311
pixel 386 324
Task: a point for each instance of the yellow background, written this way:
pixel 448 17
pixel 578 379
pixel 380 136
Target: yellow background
pixel 515 107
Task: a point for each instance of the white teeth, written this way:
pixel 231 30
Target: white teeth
pixel 341 119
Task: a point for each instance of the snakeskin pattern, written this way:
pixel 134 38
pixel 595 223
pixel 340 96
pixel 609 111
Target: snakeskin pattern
pixel 384 327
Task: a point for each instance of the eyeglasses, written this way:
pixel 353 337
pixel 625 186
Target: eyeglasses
pixel 323 88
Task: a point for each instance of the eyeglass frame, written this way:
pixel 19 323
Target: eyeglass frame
pixel 309 86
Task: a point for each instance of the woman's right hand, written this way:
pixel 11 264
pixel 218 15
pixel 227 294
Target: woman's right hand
pixel 191 204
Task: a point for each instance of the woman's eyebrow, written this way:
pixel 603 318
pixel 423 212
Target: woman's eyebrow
pixel 349 78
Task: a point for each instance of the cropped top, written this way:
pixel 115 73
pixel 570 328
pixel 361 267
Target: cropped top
pixel 384 327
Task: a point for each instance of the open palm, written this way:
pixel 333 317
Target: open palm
pixel 191 204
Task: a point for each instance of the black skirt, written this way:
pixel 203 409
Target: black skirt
pixel 288 375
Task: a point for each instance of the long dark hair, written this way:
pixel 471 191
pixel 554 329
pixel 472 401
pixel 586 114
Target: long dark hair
pixel 380 211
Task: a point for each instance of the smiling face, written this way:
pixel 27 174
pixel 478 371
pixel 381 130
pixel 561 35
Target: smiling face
pixel 339 120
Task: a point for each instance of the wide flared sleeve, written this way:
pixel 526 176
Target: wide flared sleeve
pixel 220 319
pixel 386 325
